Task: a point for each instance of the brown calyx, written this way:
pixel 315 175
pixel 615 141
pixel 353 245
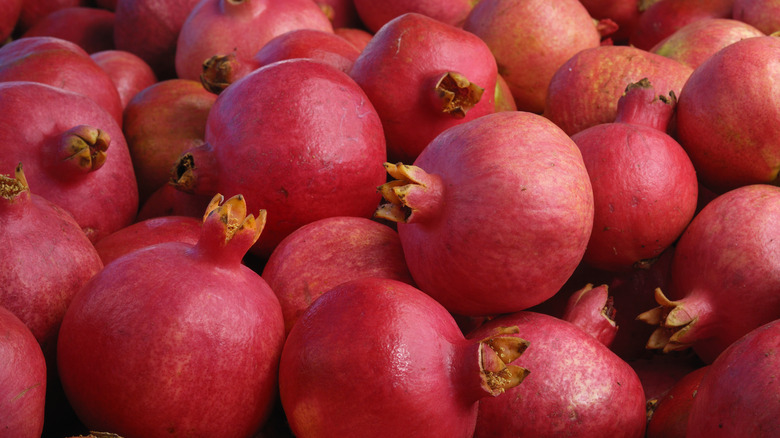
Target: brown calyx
pixel 673 321
pixel 84 148
pixel 456 94
pixel 10 188
pixel 496 354
pixel 218 72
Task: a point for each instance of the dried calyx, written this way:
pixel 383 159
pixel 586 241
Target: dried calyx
pixel 10 188
pixel 496 355
pixel 456 94
pixel 673 321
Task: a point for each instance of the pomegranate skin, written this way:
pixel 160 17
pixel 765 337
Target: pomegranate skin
pixel 90 28
pixel 728 116
pixel 35 10
pixel 412 104
pixel 167 201
pixel 146 233
pixel 670 412
pixel 458 250
pixel 625 13
pixel 73 152
pixel 22 379
pixel 574 387
pixel 61 64
pixel 325 253
pixel 130 73
pixel 200 333
pixel 737 396
pixel 241 27
pixel 585 90
pixel 663 18
pixel 323 158
pixel 763 14
pixel 9 15
pixel 374 14
pixel 423 377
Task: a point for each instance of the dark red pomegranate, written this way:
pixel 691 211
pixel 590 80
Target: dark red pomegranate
pixel 341 13
pixel 421 377
pixel 624 13
pixel 90 28
pixel 374 14
pixel 9 16
pixel 130 73
pixel 661 18
pixel 167 201
pixel 148 232
pixel 201 335
pixel 763 14
pixel 472 260
pixel 668 414
pixel 35 10
pixel 322 158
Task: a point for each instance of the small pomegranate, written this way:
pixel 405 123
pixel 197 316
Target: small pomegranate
pixel 146 233
pixel 426 377
pixel 201 335
pixel 130 73
pixel 90 28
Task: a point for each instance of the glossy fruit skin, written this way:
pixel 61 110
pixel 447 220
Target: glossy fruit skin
pixel 738 394
pixel 735 87
pixel 574 385
pixel 22 379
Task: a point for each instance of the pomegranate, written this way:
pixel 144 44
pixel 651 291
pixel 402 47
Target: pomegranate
pixel 591 309
pixel 451 81
pixel 737 396
pixel 222 70
pixel 725 275
pixel 22 379
pixel 728 116
pixel 73 151
pixel 201 336
pixel 476 262
pixel 130 73
pixel 575 386
pixel 160 123
pixel 167 201
pixel 426 378
pixel 358 37
pixel 624 13
pixel 61 64
pixel 90 28
pixel 668 414
pixel 503 96
pixel 150 29
pixel 693 43
pixel 49 258
pixel 375 14
pixel 662 18
pixel 148 232
pixel 9 16
pixel 341 13
pixel 35 10
pixel 240 27
pixel 323 158
pixel 763 14
pixel 530 40
pixel 644 185
pixel 327 252
pixel 585 90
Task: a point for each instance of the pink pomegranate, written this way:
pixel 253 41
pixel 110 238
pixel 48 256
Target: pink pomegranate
pixel 472 260
pixel 22 379
pixel 585 90
pixel 322 158
pixel 423 377
pixel 737 396
pixel 161 122
pixel 591 309
pixel 167 201
pixel 662 18
pixel 763 14
pixel 240 27
pixel 725 275
pixel 35 10
pixel 576 386
pixel 150 29
pixel 728 117
pixel 148 232
pixel 201 336
pixel 644 185
pixel 693 43
pixel 130 73
pixel 624 13
pixel 61 64
pixel 668 414
pixel 90 28
pixel 73 152
pixel 451 81
pixel 325 253
pixel 375 14
pixel 49 258
pixel 531 39
pixel 9 16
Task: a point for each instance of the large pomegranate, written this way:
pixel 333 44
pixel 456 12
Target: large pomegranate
pixel 128 71
pixel 299 138
pixel 379 355
pixel 148 232
pixel 458 249
pixel 90 28
pixel 176 339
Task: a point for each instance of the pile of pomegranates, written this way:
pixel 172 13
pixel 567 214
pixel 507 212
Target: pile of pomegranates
pixel 357 218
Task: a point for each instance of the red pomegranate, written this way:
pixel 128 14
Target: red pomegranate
pixel 61 64
pixel 201 335
pixel 357 36
pixel 624 13
pixel 9 16
pixel 35 10
pixel 451 80
pixel 148 232
pixel 585 90
pixel 49 258
pixel 644 185
pixel 240 27
pixel 90 28
pixel 322 158
pixel 591 309
pixel 130 73
pixel 763 14
pixel 574 388
pixel 73 152
pixel 22 379
pixel 531 39
pixel 668 414
pixel 425 378
pixel 374 14
pixel 472 260
pixel 728 116
pixel 167 201
pixel 725 275
pixel 662 18
pixel 327 252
